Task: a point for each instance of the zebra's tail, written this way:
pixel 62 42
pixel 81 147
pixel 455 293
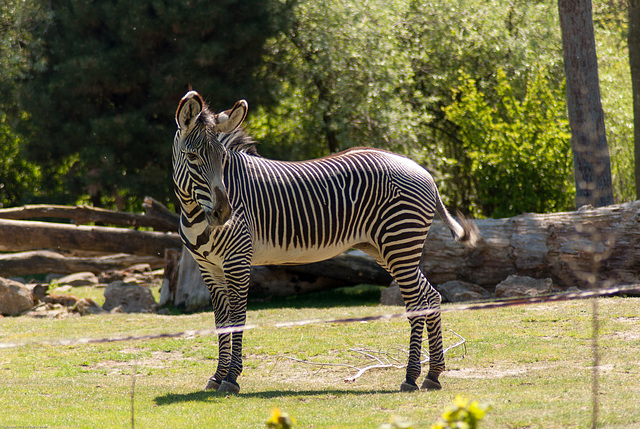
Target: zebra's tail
pixel 463 230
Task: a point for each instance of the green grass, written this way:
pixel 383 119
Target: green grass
pixel 532 364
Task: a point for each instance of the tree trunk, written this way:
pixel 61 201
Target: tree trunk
pixel 17 236
pixel 634 62
pixel 586 118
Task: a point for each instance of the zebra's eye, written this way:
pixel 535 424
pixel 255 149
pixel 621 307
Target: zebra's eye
pixel 191 156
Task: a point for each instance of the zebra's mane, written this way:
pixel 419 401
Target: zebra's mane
pixel 240 141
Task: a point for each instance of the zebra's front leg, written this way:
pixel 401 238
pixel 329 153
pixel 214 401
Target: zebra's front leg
pixel 217 286
pixel 238 280
pixel 221 311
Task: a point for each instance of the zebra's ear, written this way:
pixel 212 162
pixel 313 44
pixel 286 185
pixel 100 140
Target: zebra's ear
pixel 189 109
pixel 229 120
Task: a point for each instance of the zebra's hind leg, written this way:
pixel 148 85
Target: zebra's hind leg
pixel 419 295
pixel 434 331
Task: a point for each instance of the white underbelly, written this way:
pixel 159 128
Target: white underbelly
pixel 269 255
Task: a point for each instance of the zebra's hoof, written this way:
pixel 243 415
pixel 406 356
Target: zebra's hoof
pixel 212 384
pixel 408 387
pixel 229 387
pixel 430 383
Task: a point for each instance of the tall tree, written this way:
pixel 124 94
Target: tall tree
pixel 103 108
pixel 634 61
pixel 586 118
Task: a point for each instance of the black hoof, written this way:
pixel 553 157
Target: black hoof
pixel 229 387
pixel 407 386
pixel 431 383
pixel 212 384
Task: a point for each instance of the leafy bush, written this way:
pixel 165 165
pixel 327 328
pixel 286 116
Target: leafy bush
pixel 18 178
pixel 518 151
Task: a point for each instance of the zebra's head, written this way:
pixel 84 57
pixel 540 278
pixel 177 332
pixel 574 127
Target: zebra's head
pixel 199 157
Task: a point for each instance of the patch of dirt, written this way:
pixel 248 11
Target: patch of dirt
pixel 487 373
pixel 157 360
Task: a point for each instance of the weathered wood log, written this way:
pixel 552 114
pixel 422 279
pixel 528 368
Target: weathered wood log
pixel 589 247
pixel 46 262
pixel 156 216
pixel 584 248
pixel 17 236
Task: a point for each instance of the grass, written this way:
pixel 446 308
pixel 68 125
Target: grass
pixel 532 364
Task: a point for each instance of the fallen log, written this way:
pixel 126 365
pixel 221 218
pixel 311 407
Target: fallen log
pixel 17 236
pixel 47 262
pixel 156 215
pixel 586 248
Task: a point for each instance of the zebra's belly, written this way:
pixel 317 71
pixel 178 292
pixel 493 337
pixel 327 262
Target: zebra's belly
pixel 270 255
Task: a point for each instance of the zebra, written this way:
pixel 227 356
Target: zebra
pixel 239 209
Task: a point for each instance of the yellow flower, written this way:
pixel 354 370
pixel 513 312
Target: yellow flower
pixel 280 420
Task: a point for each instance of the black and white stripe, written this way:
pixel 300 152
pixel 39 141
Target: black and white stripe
pixel 301 212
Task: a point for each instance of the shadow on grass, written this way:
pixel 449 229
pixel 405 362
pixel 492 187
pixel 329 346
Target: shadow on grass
pixel 212 396
pixel 343 297
pixel 364 294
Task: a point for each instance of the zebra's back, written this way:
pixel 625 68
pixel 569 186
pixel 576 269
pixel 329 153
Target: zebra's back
pixel 306 211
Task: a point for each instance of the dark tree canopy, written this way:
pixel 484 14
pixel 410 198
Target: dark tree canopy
pixel 103 108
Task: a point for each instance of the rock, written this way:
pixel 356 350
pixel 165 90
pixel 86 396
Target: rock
pixel 458 291
pixel 39 291
pixel 87 306
pixel 391 295
pixel 15 297
pixel 111 276
pixel 64 300
pixel 518 286
pixel 130 298
pixel 79 279
pixel 139 269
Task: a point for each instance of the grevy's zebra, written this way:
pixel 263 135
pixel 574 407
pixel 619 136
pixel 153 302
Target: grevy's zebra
pixel 239 209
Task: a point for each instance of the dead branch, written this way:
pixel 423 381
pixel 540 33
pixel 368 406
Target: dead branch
pixel 382 358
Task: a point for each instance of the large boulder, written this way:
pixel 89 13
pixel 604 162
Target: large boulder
pixel 522 286
pixel 128 298
pixel 459 291
pixel 391 295
pixel 15 297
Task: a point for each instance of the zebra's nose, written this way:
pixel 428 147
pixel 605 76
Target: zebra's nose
pixel 222 209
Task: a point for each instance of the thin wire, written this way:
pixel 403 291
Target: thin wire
pixel 290 324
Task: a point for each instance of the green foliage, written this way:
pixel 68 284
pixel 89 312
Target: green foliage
pixel 100 82
pixel 611 26
pixel 472 38
pixel 462 415
pixel 18 177
pixel 518 151
pixel 340 75
pixel 104 106
pixel 22 23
